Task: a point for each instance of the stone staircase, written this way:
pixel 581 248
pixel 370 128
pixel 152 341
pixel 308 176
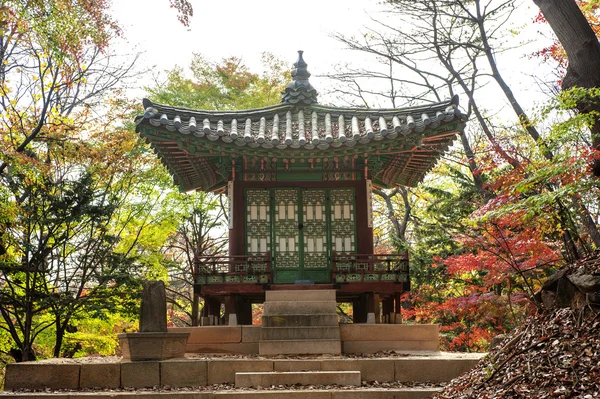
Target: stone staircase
pixel 302 322
pixel 252 378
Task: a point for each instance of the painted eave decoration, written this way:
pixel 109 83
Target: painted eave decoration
pixel 400 145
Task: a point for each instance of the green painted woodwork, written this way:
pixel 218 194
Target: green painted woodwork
pixel 300 228
pixel 388 159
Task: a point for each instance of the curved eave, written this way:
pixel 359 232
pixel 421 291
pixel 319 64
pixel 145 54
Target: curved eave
pixel 407 142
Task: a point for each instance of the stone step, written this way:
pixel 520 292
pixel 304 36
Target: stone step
pixel 299 308
pixel 300 347
pixel 266 379
pixel 302 332
pixel 358 393
pixel 325 319
pixel 300 296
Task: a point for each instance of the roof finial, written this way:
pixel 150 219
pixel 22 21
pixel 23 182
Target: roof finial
pixel 299 91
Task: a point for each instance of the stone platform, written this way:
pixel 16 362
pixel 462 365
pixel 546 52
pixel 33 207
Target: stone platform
pixel 400 393
pixel 433 367
pixel 355 338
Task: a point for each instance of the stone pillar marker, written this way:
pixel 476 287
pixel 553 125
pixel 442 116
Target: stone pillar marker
pixel 153 312
pixel 153 341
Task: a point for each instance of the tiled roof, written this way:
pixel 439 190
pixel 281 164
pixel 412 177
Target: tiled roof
pixel 286 126
pixel 401 145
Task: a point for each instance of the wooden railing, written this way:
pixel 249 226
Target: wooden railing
pixel 351 268
pixel 234 269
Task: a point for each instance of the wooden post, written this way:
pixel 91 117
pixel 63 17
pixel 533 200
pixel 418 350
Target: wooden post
pixel 244 311
pixel 359 309
pixel 231 310
pixel 388 309
pixel 371 303
pixel 398 308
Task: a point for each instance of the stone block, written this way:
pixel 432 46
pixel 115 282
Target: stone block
pixel 296 308
pixel 234 348
pixel 296 365
pixel 140 374
pixel 434 369
pixel 273 395
pixel 300 295
pixel 152 345
pixel 300 320
pixel 183 373
pixel 153 395
pixel 266 379
pixel 362 394
pixel 304 332
pixel 416 393
pixel 300 347
pixel 223 371
pixel 382 370
pixel 100 375
pixel 251 334
pixel 389 332
pixel 153 310
pixel 40 375
pixel 403 393
pixel 378 346
pixel 211 334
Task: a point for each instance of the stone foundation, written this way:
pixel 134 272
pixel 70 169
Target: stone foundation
pixel 153 345
pixel 356 338
pixel 178 373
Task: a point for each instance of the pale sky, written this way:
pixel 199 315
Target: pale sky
pixel 247 28
pixel 242 28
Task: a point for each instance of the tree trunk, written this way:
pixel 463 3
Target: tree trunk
pixel 195 310
pixel 583 52
pixel 61 327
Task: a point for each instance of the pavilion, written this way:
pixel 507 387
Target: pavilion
pixel 299 178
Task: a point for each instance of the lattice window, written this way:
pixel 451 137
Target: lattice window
pixel 342 220
pixel 314 229
pixel 286 229
pixel 258 221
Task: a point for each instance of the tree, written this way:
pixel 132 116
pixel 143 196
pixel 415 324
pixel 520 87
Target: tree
pixel 65 171
pixel 583 53
pixel 196 238
pixel 227 85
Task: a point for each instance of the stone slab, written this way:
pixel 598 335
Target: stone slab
pixel 402 393
pixel 40 375
pixel 437 369
pixel 303 332
pixel 140 374
pixel 382 370
pixel 250 348
pixel 135 395
pixel 300 295
pixel 250 334
pixel 153 309
pixel 212 334
pixel 223 371
pixel 296 365
pixel 327 319
pixel 300 347
pixel 274 394
pixel 100 375
pixel 299 308
pixel 184 373
pixel 378 346
pixel 152 345
pixel 262 379
pixel 389 332
pixel 347 394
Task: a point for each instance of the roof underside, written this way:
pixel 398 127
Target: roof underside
pixel 401 145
